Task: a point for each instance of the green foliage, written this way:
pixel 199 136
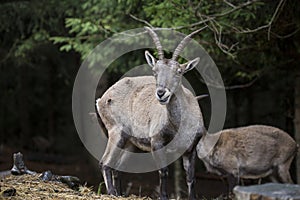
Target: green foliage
pixel 169 13
pixel 26 25
pixel 95 20
pixel 28 70
pixel 231 33
pixel 100 188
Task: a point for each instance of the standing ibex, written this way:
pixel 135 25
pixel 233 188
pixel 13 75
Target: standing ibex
pixel 250 152
pixel 148 112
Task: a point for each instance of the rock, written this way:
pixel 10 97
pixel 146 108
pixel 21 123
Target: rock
pixel 19 167
pixel 9 192
pixel 46 176
pixel 72 181
pixel 3 174
pixel 268 191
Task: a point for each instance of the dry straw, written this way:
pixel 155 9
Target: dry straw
pixel 30 187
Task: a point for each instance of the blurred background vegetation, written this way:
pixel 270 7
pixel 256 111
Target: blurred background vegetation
pixel 255 44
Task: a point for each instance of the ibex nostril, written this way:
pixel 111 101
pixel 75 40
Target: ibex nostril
pixel 160 92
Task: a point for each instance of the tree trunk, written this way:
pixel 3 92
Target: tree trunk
pixel 51 104
pixel 23 106
pixel 297 120
pixel 236 102
pixel 250 106
pixel 2 106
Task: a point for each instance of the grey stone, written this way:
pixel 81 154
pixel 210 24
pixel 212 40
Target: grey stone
pixel 268 191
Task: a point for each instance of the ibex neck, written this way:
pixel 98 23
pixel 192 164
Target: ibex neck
pixel 175 108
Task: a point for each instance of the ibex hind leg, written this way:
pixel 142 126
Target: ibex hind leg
pixel 283 171
pixel 111 157
pixel 274 176
pixel 232 181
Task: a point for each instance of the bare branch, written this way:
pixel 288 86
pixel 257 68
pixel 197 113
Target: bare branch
pixel 156 28
pixel 10 51
pixel 233 87
pixel 218 39
pixel 216 28
pixel 232 46
pixel 218 31
pixel 280 4
pixel 193 25
pixel 140 20
pixel 235 8
pixel 241 86
pixel 266 26
pixel 229 4
pixel 287 35
pixel 214 17
pixel 251 30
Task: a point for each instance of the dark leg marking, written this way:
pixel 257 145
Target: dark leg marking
pixel 189 167
pixel 107 175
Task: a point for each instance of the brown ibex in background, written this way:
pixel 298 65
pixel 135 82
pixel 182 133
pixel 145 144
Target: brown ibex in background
pixel 148 112
pixel 250 152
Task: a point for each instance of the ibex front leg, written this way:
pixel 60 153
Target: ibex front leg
pixel 117 181
pixel 163 182
pixel 189 167
pixel 163 172
pixel 112 157
pixel 107 176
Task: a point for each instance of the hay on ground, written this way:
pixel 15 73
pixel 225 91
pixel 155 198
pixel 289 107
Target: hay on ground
pixel 32 188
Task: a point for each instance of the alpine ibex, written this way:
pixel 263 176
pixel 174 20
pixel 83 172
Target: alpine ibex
pixel 250 152
pixel 148 112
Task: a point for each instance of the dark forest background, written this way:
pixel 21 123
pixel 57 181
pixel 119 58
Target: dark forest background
pixel 255 44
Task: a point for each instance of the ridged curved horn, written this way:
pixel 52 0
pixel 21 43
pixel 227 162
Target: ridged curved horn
pixel 156 42
pixel 183 43
pixel 201 96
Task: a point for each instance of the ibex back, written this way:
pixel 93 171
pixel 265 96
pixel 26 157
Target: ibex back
pixel 148 112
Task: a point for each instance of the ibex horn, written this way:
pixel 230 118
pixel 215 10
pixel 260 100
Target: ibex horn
pixel 184 42
pixel 201 97
pixel 156 42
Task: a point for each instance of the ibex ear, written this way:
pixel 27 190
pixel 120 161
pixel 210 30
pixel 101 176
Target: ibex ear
pixel 150 59
pixel 190 64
